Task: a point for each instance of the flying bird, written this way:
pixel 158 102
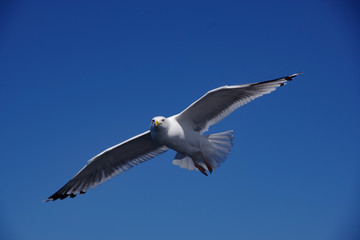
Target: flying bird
pixel 182 132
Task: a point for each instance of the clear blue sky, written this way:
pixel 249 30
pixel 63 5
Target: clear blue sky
pixel 79 77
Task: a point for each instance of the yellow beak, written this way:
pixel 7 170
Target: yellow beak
pixel 157 123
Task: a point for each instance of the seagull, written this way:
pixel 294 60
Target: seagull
pixel 182 132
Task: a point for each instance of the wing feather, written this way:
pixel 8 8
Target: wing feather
pixel 110 163
pixel 220 102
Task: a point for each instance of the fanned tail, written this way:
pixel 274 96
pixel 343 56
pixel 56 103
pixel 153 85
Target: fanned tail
pixel 221 147
pixel 213 153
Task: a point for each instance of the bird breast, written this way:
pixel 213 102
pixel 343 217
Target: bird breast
pixel 178 137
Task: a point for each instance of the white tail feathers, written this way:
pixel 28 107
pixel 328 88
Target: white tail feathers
pixel 213 153
pixel 222 144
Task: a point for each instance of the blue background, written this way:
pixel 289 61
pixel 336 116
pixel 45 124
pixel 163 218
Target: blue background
pixel 79 77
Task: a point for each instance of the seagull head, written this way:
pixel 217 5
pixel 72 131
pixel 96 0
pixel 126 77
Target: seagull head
pixel 158 122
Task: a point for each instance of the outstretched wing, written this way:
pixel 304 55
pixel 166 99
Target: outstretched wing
pixel 110 163
pixel 220 102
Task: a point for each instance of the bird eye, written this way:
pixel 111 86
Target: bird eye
pixel 162 119
pixel 152 120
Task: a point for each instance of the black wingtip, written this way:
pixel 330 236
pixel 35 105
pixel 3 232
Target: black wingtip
pixel 289 78
pixel 57 196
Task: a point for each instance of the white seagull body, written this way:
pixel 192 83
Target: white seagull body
pixel 181 132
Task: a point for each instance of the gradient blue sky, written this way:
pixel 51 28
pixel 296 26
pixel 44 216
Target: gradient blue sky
pixel 79 77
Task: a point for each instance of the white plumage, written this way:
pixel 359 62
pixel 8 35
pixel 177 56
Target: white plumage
pixel 181 132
